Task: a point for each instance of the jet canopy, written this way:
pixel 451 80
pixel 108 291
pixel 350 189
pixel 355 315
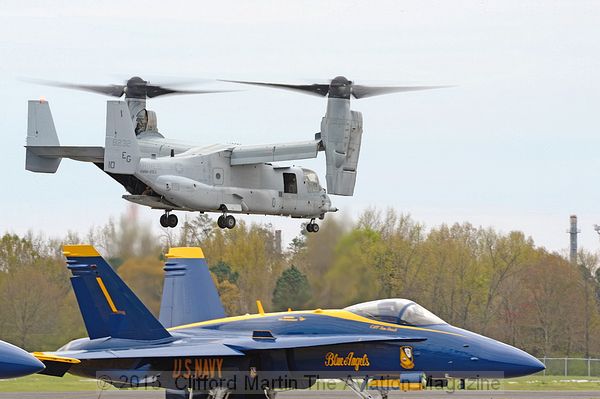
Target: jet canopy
pixel 396 311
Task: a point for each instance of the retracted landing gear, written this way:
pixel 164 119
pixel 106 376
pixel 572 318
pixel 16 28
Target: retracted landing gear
pixel 226 221
pixel 312 227
pixel 168 220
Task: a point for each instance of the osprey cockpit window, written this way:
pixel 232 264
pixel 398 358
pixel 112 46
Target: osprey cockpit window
pixel 290 184
pixel 396 311
pixel 312 181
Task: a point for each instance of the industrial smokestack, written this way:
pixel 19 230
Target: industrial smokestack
pixel 573 231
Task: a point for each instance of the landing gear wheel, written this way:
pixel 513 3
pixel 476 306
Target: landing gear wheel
pixel 164 220
pixel 312 227
pixel 221 221
pixel 172 220
pixel 229 222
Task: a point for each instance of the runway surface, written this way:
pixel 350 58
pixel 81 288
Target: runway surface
pixel 319 394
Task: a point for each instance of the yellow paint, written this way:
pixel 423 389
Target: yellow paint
pixel 80 250
pixel 407 360
pixel 197 368
pixel 396 384
pixel 185 252
pixel 107 296
pixel 259 305
pixel 42 356
pixel 349 360
pixel 337 313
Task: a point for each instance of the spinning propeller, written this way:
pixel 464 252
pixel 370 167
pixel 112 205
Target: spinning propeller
pixel 135 87
pixel 340 87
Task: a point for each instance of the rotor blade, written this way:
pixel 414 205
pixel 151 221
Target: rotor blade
pixel 315 89
pixel 156 91
pixel 360 91
pixel 109 90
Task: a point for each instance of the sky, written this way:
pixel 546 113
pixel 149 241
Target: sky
pixel 513 145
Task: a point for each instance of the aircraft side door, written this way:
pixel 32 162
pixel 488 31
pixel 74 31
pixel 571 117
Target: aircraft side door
pixel 290 191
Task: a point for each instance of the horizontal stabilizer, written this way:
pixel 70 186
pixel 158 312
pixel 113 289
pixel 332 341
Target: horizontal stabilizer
pixel 56 366
pixel 189 292
pixel 84 154
pixel 40 132
pixel 109 308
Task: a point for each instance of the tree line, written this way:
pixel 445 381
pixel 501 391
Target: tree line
pixel 498 284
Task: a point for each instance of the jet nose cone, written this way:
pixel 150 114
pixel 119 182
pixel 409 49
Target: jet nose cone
pixel 528 364
pixel 15 362
pixel 519 363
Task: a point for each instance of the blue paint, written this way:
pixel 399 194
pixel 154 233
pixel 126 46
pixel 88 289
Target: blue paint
pixel 189 294
pixel 334 345
pixel 15 362
pixel 131 320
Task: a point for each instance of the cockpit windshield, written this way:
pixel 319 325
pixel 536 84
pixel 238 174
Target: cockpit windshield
pixel 396 311
pixel 312 181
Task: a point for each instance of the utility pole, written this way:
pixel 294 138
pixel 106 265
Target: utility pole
pixel 573 231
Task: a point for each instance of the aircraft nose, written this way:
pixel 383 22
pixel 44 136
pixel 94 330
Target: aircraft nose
pixel 523 364
pixel 15 362
pixel 508 360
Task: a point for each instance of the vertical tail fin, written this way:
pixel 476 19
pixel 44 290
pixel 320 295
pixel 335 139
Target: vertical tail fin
pixel 189 293
pixel 40 133
pixel 122 152
pixel 109 308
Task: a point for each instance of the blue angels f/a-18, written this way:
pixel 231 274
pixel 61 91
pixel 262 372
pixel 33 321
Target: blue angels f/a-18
pixel 193 350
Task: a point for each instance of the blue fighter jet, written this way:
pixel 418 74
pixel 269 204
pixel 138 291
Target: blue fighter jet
pixel 195 351
pixel 15 362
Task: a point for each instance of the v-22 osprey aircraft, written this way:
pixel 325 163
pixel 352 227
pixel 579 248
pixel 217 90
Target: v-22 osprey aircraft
pixel 226 178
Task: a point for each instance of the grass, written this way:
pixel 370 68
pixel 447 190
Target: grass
pixel 70 383
pixel 552 383
pixel 44 383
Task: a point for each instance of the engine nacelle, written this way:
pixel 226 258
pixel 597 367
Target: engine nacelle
pixel 341 133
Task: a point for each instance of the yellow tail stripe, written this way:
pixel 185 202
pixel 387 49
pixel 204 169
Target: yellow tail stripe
pixel 107 295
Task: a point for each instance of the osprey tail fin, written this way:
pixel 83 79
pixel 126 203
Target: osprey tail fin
pixel 122 152
pixel 40 133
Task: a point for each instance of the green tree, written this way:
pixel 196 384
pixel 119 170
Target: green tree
pixel 224 272
pixel 292 290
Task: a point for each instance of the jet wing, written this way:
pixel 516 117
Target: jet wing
pixel 253 154
pixel 192 350
pixel 303 341
pixel 84 154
